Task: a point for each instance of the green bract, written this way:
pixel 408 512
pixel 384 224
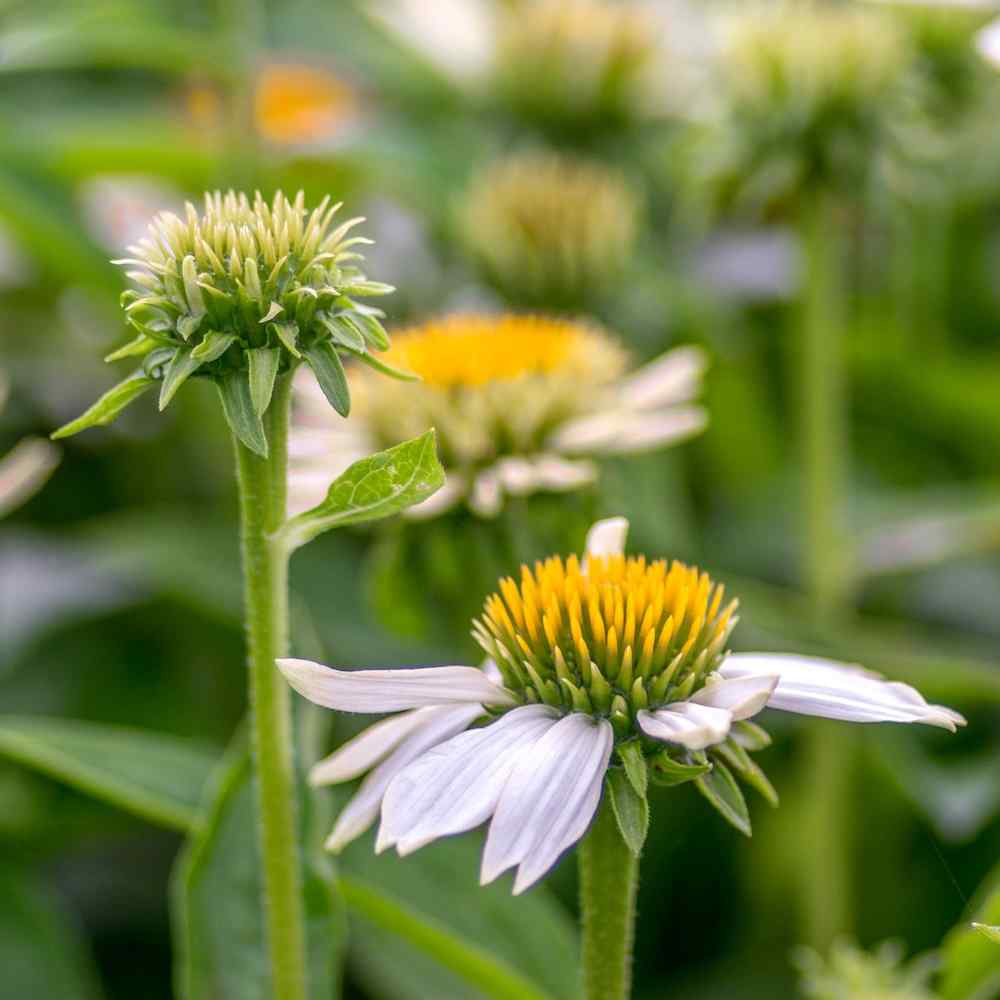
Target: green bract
pixel 241 294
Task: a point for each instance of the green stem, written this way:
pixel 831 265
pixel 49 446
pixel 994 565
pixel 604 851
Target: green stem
pixel 609 877
pixel 827 862
pixel 265 570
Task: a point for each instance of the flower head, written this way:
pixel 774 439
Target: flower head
pixel 241 293
pixel 520 403
pixel 548 229
pixel 608 656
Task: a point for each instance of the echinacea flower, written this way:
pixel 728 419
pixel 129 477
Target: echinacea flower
pixel 521 404
pixel 242 293
pixel 26 467
pixel 608 655
pixel 548 229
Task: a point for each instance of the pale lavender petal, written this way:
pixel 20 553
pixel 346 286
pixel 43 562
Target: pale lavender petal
pixel 693 726
pixel 391 690
pixel 742 697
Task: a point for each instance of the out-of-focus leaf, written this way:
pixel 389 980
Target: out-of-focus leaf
pixel 243 419
pixel 630 808
pixel 992 933
pixel 109 405
pixel 721 790
pixel 530 933
pixel 159 778
pixel 971 961
pixel 216 902
pixel 41 953
pixel 373 488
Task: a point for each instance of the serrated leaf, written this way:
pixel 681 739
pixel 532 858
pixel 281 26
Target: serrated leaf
pixel 630 808
pixel 140 345
pixel 243 419
pixel 750 736
pixel 739 761
pixel 109 405
pixel 264 362
pixel 636 769
pixel 213 346
pixel 181 367
pixel 325 362
pixel 721 790
pixel 665 771
pixel 157 777
pixel 373 488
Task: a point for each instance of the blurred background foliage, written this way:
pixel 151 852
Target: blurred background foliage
pixel 646 165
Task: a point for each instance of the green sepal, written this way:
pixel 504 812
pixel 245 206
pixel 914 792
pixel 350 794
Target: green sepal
pixel 181 367
pixel 750 736
pixel 213 345
pixel 154 363
pixel 385 369
pixel 264 362
pixel 140 345
pixel 630 808
pixel 243 420
pixel 373 488
pixel 288 334
pixel 721 790
pixel 739 761
pixel 368 323
pixel 109 405
pixel 325 362
pixel 368 288
pixel 343 332
pixel 188 325
pixel 634 762
pixel 666 771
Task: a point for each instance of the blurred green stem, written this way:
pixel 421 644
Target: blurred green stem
pixel 827 872
pixel 262 488
pixel 609 878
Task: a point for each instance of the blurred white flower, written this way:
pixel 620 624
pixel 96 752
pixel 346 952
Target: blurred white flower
pixel 23 470
pixel 117 207
pixel 988 43
pixel 584 656
pixel 521 404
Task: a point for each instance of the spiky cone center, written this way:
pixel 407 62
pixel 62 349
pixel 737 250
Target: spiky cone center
pixel 491 385
pixel 610 638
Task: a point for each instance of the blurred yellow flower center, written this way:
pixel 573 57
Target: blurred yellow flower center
pixel 296 103
pixel 612 636
pixel 474 350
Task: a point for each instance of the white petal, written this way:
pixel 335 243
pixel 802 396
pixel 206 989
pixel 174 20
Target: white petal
pixel 742 697
pixel 367 748
pixel 674 377
pixel 623 431
pixel 693 726
pixel 23 471
pixel 486 496
pixel 549 800
pixel 557 474
pixel 446 497
pixel 813 686
pixel 607 537
pixel 440 724
pixel 391 690
pixel 456 786
pixel 988 43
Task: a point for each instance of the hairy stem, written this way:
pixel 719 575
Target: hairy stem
pixel 609 878
pixel 265 571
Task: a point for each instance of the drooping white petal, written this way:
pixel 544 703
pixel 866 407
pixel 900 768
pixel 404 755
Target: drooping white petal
pixel 549 800
pixel 691 725
pixel 367 748
pixel 391 690
pixel 440 724
pixel 674 377
pixel 556 473
pixel 742 697
pixel 814 686
pixel 486 495
pixel 623 431
pixel 449 494
pixel 607 537
pixel 455 786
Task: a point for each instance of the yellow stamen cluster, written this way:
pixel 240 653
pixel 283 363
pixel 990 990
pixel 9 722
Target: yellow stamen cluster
pixel 300 103
pixel 491 385
pixel 610 637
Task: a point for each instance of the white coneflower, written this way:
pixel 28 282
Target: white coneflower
pixel 521 404
pixel 24 469
pixel 586 658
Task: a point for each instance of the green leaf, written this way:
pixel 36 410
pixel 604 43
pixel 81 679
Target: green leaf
pixel 243 419
pixel 433 902
pixel 634 762
pixel 183 365
pixel 213 345
pixel 140 345
pixel 970 959
pixel 325 362
pixel 373 488
pixel 109 405
pixel 630 808
pixel 666 771
pixel 264 363
pixel 720 788
pixel 159 778
pixel 41 952
pixel 991 933
pixel 288 334
pixel 739 760
pixel 342 332
pixel 216 902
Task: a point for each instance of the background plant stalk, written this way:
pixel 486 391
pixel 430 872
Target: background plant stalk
pixel 262 490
